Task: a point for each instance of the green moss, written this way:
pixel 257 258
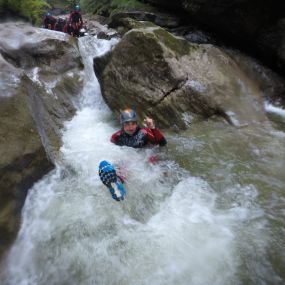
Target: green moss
pixel 32 10
pixel 130 24
pixel 179 46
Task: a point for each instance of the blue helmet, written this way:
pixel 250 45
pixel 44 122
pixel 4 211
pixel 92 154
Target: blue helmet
pixel 77 8
pixel 128 115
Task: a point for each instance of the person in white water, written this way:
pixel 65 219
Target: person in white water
pixel 132 135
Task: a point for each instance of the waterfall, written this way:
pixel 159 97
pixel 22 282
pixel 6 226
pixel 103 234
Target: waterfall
pixel 173 227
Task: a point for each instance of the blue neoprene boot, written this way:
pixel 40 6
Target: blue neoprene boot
pixel 108 176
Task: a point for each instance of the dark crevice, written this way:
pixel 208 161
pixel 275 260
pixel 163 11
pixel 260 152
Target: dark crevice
pixel 9 58
pixel 221 113
pixel 178 86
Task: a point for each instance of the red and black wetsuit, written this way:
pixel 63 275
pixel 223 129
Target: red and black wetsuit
pixel 75 18
pixel 141 138
pixel 76 21
pixel 70 30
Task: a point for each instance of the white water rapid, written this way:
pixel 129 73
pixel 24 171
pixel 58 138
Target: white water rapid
pixel 169 230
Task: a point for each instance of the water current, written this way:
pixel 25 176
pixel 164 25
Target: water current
pixel 211 211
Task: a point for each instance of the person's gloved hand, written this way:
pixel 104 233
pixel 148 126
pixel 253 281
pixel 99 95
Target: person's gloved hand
pixel 149 123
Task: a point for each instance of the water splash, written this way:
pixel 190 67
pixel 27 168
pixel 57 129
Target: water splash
pixel 274 109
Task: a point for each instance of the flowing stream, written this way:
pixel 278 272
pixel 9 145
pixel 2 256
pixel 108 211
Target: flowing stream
pixel 211 211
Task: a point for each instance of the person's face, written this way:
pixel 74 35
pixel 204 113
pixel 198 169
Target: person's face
pixel 130 127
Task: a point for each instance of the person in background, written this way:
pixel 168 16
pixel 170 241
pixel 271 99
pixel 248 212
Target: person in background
pixel 60 23
pixel 66 21
pixel 49 21
pixel 132 135
pixel 76 20
pixel 68 28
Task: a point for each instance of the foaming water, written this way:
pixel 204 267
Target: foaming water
pixel 245 168
pixel 273 109
pixel 172 228
pixel 276 114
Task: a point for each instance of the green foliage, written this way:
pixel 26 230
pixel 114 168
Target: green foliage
pixel 126 5
pixel 31 10
pixel 109 7
pixel 1 6
pixel 93 6
pixel 72 3
pixel 65 5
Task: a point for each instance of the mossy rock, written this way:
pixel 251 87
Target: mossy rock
pixel 179 46
pixel 167 77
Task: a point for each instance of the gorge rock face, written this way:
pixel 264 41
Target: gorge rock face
pixel 177 82
pixel 255 26
pixel 40 80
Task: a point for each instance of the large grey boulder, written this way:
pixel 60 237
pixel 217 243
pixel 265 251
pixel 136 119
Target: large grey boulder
pixel 40 78
pixel 177 82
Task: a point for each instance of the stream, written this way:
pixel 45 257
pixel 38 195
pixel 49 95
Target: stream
pixel 211 211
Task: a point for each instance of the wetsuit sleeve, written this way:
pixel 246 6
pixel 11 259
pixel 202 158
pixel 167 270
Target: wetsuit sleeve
pixel 154 136
pixel 71 16
pixel 115 136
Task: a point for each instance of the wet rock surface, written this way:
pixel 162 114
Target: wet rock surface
pixel 40 81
